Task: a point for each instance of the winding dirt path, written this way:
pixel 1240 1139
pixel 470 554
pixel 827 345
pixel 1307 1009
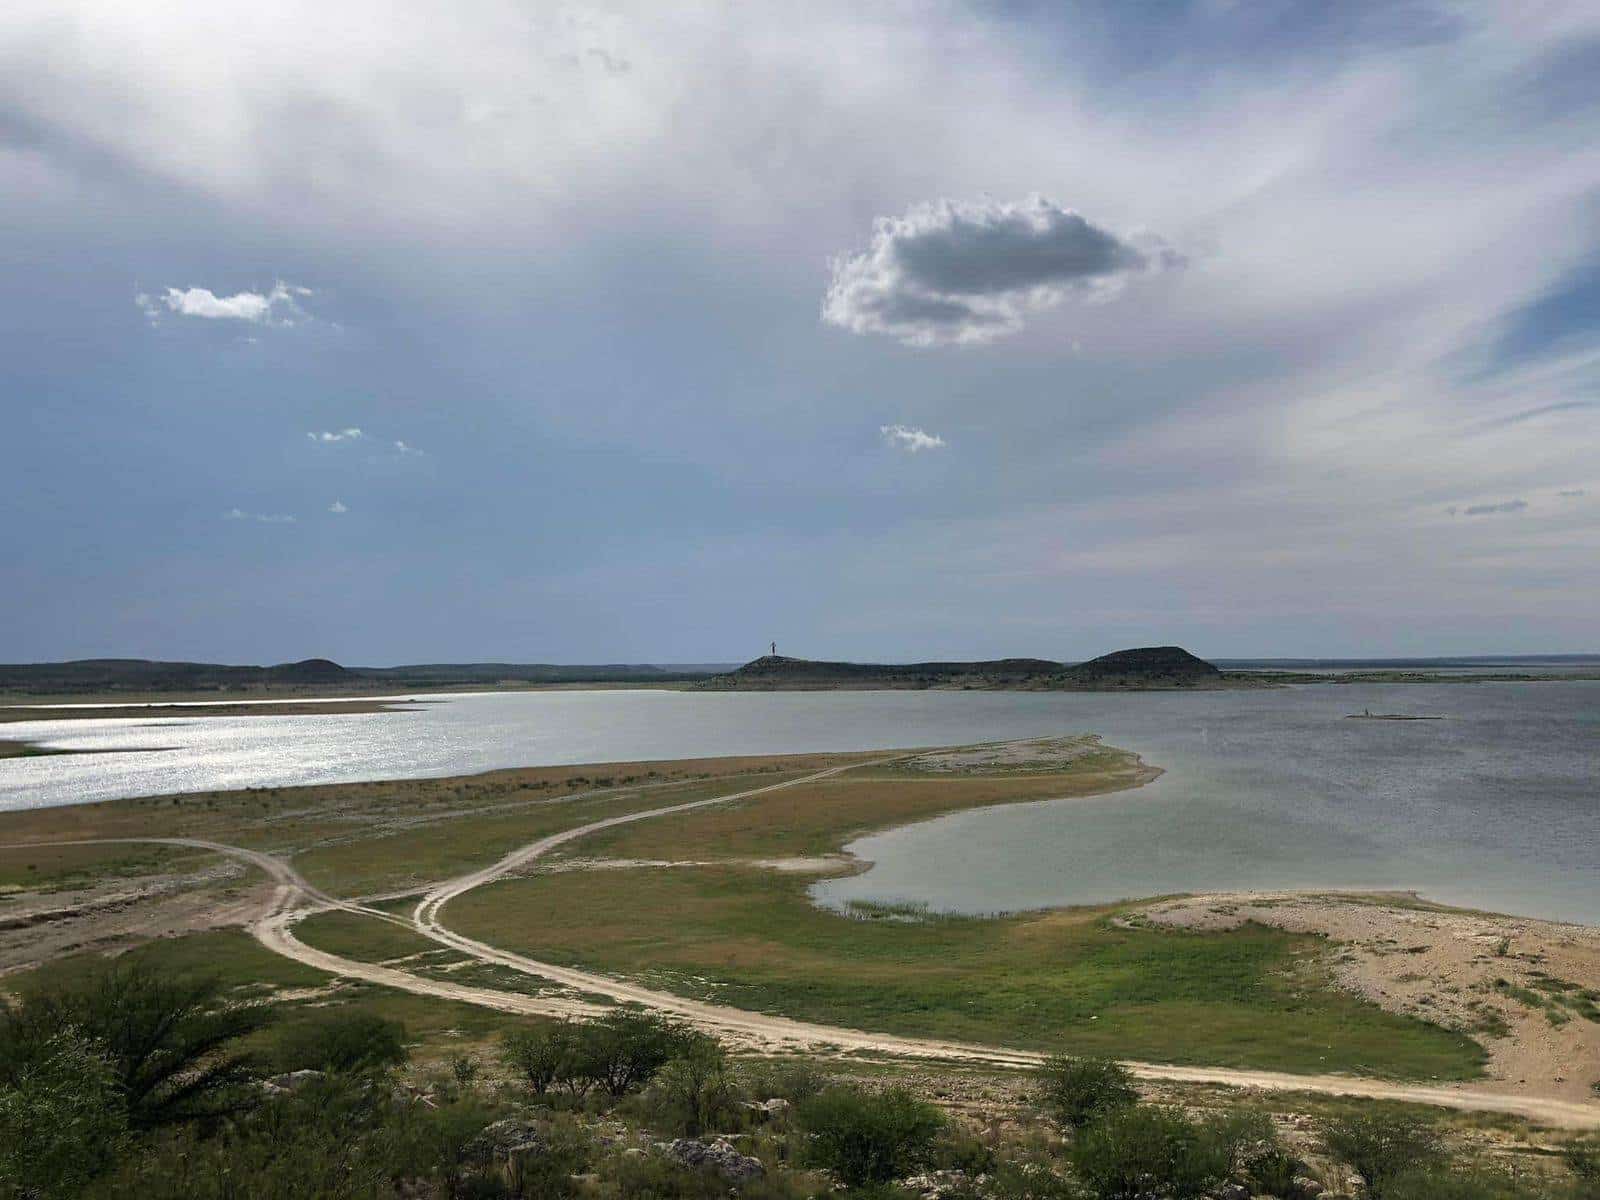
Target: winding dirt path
pixel 294 898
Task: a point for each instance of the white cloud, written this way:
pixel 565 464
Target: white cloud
pixel 238 514
pixel 337 435
pixel 275 307
pixel 338 507
pixel 403 450
pixel 950 272
pixel 912 441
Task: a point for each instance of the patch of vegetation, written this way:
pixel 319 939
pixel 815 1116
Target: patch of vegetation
pixel 1382 1147
pixel 1071 980
pixel 869 1137
pixel 1076 1091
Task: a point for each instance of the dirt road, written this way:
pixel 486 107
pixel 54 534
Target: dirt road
pixel 294 898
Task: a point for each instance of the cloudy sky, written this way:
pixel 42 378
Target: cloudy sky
pixel 397 331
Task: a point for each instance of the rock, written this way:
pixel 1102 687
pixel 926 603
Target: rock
pixel 1305 1188
pixel 293 1081
pixel 766 1110
pixel 506 1139
pixel 932 1185
pixel 1233 1191
pixel 719 1156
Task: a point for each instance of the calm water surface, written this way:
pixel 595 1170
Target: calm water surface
pixel 1497 806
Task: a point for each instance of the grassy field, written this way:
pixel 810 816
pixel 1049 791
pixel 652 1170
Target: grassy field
pixel 1066 979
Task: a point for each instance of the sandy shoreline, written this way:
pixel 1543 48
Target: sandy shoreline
pixel 1528 990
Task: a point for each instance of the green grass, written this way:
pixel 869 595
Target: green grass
pixel 416 857
pixel 37 867
pixel 367 939
pixel 1066 979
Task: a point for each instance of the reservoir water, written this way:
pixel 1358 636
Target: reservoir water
pixel 1496 806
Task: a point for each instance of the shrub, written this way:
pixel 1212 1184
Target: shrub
pixel 542 1056
pixel 1272 1171
pixel 333 1139
pixel 166 1039
pixel 62 1119
pixel 868 1137
pixel 780 1080
pixel 1379 1146
pixel 1143 1149
pixel 1077 1090
pixel 959 1149
pixel 342 1042
pixel 695 1092
pixel 1465 1184
pixel 623 1050
pixel 1583 1160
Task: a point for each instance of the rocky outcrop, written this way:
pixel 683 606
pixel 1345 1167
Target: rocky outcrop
pixel 720 1156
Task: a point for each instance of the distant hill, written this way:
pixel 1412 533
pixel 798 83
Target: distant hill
pixel 774 671
pixel 143 675
pixel 108 676
pixel 1146 667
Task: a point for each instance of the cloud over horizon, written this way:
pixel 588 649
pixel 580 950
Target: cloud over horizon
pixel 952 273
pixel 912 441
pixel 238 514
pixel 275 307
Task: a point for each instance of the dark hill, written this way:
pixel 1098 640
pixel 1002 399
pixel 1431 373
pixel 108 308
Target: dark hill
pixel 774 671
pixel 1148 667
pixel 311 670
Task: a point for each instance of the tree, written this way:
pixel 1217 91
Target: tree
pixel 169 1040
pixel 541 1055
pixel 696 1091
pixel 62 1119
pixel 343 1042
pixel 624 1050
pixel 1380 1146
pixel 868 1137
pixel 1077 1090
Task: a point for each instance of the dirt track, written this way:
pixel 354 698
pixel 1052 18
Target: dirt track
pixel 293 898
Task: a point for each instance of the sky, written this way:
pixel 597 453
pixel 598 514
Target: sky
pixel 401 332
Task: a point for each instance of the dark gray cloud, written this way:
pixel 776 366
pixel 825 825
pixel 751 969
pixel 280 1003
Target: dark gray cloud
pixel 950 272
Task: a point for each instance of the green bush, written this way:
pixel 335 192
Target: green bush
pixel 1272 1171
pixel 868 1137
pixel 341 1041
pixel 1583 1160
pixel 794 1081
pixel 1443 1183
pixel 1144 1150
pixel 168 1040
pixel 696 1092
pixel 62 1119
pixel 541 1056
pixel 337 1138
pixel 623 1050
pixel 1380 1145
pixel 1077 1090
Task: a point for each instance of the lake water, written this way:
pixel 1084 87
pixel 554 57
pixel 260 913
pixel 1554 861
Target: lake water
pixel 1496 806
